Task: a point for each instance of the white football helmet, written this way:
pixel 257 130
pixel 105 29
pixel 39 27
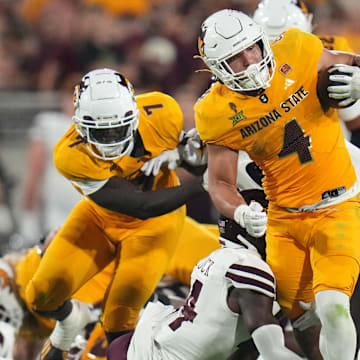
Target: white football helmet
pixel 276 16
pixel 106 115
pixel 227 33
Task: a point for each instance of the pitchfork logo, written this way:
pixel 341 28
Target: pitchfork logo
pixel 238 115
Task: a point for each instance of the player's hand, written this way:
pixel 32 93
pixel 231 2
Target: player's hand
pixel 169 158
pixel 348 91
pixel 194 152
pixel 309 318
pixel 252 218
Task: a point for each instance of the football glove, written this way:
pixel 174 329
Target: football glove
pixel 252 218
pixel 169 158
pixel 349 89
pixel 194 152
pixel 309 318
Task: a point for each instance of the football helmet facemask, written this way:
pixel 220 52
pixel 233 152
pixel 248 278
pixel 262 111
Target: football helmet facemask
pixel 226 34
pixel 276 16
pixel 106 115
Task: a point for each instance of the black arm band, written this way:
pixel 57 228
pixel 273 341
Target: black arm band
pixel 195 170
pixel 121 196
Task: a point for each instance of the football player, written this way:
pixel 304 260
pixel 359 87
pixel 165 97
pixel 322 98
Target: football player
pixel 196 241
pixel 267 105
pixel 124 216
pixel 276 16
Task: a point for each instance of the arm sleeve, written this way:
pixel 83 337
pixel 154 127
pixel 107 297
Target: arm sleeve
pixel 270 341
pixel 89 186
pixel 122 196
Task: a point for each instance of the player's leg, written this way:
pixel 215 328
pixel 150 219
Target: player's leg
pixel 291 265
pixel 196 242
pixel 77 253
pixel 308 339
pixel 338 333
pixel 144 257
pixel 335 257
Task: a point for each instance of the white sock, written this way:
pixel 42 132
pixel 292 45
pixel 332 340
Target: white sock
pixel 66 330
pixel 338 333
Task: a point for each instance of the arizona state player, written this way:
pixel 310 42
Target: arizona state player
pixel 267 104
pixel 277 16
pixel 124 216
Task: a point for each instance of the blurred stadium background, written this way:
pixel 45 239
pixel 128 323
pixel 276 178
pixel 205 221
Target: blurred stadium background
pixel 45 47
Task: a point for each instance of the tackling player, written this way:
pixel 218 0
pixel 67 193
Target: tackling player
pixel 124 216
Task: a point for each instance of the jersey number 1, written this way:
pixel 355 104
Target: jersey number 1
pixel 295 141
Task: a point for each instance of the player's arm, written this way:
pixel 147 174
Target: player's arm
pixel 268 336
pixel 330 57
pixel 222 166
pixel 122 196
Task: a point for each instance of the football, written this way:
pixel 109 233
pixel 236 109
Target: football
pixel 322 84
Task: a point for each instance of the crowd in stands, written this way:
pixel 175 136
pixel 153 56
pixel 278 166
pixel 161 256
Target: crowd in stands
pixel 47 45
pixel 153 41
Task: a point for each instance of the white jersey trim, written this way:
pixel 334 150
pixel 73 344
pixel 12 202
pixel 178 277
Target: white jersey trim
pixel 253 278
pixel 325 203
pixel 89 186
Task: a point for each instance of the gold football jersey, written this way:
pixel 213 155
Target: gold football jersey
pixel 160 124
pixel 335 43
pixel 284 130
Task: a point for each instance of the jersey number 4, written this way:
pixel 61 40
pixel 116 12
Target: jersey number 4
pixel 188 313
pixel 295 141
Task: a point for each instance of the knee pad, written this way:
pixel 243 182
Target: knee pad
pixel 332 306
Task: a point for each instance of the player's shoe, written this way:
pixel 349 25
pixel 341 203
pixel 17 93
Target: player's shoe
pixel 65 332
